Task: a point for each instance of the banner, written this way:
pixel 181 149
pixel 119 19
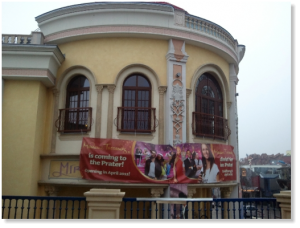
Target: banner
pixel 139 162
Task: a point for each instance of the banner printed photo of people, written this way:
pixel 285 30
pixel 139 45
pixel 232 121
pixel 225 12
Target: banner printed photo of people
pixel 185 163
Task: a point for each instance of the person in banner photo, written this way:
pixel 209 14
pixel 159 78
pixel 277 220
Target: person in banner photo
pixel 210 169
pixel 198 163
pixel 189 165
pixel 138 156
pixel 153 166
pixel 178 165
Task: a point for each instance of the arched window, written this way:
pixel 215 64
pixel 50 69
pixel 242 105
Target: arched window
pixel 136 112
pixel 77 114
pixel 208 116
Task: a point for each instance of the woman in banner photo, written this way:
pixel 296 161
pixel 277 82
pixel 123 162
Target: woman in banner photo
pixel 138 156
pixel 210 169
pixel 178 168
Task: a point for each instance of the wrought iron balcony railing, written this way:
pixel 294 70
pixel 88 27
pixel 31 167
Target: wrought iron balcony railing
pixel 212 126
pixel 136 119
pixel 74 120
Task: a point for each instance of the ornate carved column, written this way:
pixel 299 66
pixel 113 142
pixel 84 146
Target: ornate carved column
pixel 188 123
pixel 55 112
pixel 99 89
pixel 176 94
pixel 161 115
pixel 111 90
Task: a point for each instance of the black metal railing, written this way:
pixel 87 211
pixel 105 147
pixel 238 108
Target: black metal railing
pixel 239 208
pixel 136 119
pixel 74 120
pixel 212 126
pixel 43 207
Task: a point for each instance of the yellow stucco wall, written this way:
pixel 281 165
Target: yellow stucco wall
pixel 106 57
pixel 199 57
pixel 23 121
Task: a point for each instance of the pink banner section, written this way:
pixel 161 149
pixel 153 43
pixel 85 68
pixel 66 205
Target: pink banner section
pixel 139 162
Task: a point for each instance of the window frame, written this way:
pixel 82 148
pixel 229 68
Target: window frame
pixel 137 109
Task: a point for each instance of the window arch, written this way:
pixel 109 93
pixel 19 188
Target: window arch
pixel 208 116
pixel 77 114
pixel 136 108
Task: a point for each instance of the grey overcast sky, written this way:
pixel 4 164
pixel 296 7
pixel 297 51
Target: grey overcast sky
pixel 264 27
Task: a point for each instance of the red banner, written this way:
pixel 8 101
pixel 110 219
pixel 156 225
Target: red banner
pixel 139 162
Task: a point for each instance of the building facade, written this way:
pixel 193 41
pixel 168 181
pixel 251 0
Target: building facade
pixel 148 72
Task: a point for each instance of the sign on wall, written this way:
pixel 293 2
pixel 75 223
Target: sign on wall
pixel 64 169
pixel 139 162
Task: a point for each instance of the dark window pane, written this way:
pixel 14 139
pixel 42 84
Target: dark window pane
pixel 86 83
pixel 131 81
pixel 211 107
pixel 74 83
pixel 142 82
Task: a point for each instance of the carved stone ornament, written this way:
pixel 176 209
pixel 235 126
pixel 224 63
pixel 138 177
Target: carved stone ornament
pixel 99 88
pixel 191 192
pixel 177 108
pixel 111 88
pixel 156 192
pixel 162 90
pixel 51 190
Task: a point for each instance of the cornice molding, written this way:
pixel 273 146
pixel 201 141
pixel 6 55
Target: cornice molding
pixel 34 48
pixel 180 34
pixel 103 6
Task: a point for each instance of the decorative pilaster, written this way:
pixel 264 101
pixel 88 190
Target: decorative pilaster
pixel 55 112
pixel 111 90
pixel 176 94
pixel 99 89
pixel 232 118
pixel 188 93
pixel 161 125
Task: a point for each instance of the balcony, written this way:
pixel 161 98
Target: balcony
pixel 74 120
pixel 136 119
pixel 211 126
pixel 35 37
